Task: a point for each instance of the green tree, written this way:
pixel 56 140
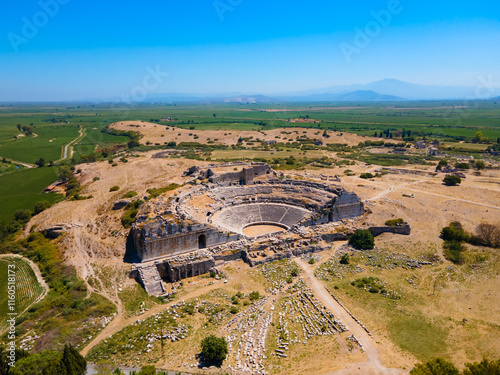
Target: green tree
pixel 477 137
pixel 40 162
pixel 452 180
pixel 36 364
pixel 453 251
pixel 436 366
pixel 485 367
pixel 214 348
pixel 344 259
pixel 8 227
pixel 362 240
pixel 64 173
pixel 255 295
pixel 22 216
pixel 454 232
pixel 479 164
pixel 147 370
pixel 442 163
pixel 41 206
pixel 4 361
pixel 72 362
pixel 462 166
pixel 104 367
pixel 133 143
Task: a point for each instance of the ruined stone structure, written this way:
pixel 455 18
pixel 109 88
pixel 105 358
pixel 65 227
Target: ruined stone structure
pixel 161 237
pixel 245 176
pixel 213 214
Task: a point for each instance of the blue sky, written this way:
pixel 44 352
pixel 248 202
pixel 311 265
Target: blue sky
pixel 91 49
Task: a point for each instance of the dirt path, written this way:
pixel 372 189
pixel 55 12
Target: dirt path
pixel 373 364
pixel 406 187
pixel 69 146
pixel 21 163
pixel 120 322
pixel 455 199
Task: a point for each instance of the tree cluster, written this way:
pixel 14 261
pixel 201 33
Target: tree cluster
pixel 454 236
pixel 48 362
pixel 439 366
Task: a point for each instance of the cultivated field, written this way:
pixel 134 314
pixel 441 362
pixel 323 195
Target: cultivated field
pixel 28 288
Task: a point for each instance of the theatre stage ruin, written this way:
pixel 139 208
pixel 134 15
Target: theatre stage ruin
pixel 234 211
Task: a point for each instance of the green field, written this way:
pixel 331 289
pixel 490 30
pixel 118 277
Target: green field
pixel 24 188
pixel 56 125
pixel 27 287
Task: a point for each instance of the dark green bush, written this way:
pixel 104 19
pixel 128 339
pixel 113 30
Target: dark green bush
pixel 362 240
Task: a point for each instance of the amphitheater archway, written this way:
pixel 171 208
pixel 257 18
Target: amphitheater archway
pixel 202 241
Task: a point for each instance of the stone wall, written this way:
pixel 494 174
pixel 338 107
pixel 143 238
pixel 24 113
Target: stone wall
pixel 163 239
pixel 347 206
pixel 400 229
pixel 174 271
pixel 244 177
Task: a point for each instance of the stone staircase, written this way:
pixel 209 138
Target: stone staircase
pixel 150 278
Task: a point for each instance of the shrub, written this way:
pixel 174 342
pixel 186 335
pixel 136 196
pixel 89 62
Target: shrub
pixel 147 370
pixel 484 367
pixel 442 163
pixel 344 259
pixel 394 222
pixel 129 217
pixel 452 180
pixel 435 366
pixel 129 194
pixel 233 310
pixel 454 232
pixel 366 175
pixel 362 240
pixel 488 234
pixel 312 260
pixel 155 192
pixel 462 166
pixel 453 251
pixel 254 296
pixel 22 216
pixel 114 188
pixel 41 206
pixel 479 164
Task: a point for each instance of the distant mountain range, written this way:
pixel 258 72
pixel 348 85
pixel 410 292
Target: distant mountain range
pixel 379 91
